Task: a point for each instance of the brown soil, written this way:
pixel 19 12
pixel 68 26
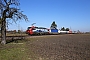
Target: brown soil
pixel 61 47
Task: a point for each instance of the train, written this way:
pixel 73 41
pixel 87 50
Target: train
pixel 44 31
pixel 37 30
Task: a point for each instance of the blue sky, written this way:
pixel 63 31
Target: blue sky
pixel 74 14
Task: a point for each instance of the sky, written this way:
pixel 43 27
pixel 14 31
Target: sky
pixel 73 14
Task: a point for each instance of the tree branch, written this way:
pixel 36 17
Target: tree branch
pixel 5 2
pixel 11 12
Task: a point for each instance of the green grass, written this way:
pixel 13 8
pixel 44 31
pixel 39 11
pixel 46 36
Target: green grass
pixel 13 51
pixel 18 51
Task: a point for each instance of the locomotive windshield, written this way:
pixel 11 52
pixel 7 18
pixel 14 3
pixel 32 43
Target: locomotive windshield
pixel 28 28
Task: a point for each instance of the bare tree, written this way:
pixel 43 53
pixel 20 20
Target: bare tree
pixel 9 9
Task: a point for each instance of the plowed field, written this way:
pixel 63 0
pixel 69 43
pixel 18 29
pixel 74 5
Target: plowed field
pixel 61 47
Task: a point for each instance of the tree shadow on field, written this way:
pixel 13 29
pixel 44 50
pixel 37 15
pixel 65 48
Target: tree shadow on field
pixel 15 39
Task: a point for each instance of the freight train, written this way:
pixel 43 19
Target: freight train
pixel 44 31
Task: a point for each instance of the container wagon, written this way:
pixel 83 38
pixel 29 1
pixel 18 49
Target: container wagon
pixel 53 31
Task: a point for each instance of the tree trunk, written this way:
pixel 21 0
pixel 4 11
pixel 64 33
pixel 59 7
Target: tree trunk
pixel 3 32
